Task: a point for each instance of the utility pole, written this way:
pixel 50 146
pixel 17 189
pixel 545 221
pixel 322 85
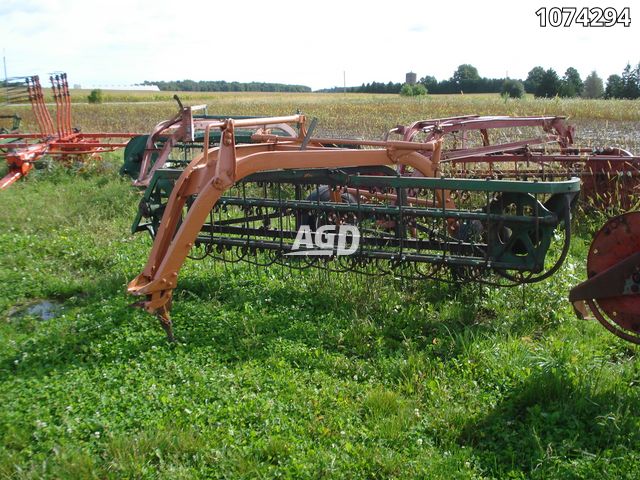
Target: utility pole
pixel 6 79
pixel 344 81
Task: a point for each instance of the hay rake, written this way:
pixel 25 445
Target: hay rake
pixel 610 175
pixel 610 181
pixel 343 205
pixel 59 140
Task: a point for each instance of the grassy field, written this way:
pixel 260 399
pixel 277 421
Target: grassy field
pixel 305 376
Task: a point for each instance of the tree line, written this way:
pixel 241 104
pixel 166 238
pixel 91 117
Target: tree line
pixel 373 87
pixel 547 83
pixel 223 86
pixel 465 79
pixel 540 82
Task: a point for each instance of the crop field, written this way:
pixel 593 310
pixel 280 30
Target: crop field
pixel 295 375
pixel 357 114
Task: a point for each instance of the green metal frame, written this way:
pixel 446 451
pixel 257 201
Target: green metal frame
pixel 517 240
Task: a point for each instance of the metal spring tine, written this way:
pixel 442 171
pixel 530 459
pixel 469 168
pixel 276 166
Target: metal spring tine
pixel 66 103
pixel 281 226
pixel 223 251
pixel 60 106
pixel 63 108
pixel 537 220
pixel 32 99
pixel 292 218
pixel 56 96
pixel 359 276
pixel 67 97
pixel 45 117
pixel 31 88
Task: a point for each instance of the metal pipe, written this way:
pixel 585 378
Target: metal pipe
pixel 67 96
pixel 400 145
pixel 58 107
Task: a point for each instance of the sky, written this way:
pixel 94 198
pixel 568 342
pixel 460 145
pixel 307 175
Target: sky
pixel 318 44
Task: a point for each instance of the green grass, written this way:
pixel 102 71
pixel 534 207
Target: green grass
pixel 305 375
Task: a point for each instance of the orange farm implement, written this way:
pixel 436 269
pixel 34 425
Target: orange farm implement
pixel 59 140
pixel 372 207
pixel 455 199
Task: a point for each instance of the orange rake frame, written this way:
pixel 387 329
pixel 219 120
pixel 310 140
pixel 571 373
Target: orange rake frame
pixel 216 170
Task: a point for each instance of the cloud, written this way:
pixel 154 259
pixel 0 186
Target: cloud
pixel 302 43
pixel 418 28
pixel 8 7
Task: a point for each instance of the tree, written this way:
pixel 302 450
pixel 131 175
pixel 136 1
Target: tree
pixel 571 84
pixel 413 90
pixel 406 90
pixel 419 89
pixel 549 84
pixel 429 82
pixel 631 82
pixel 465 72
pixel 593 86
pixel 95 96
pixel 533 79
pixel 614 87
pixel 512 88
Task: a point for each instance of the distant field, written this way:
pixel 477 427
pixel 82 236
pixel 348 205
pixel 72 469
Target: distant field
pixel 365 115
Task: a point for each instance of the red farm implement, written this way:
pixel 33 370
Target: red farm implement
pixel 530 148
pixel 610 180
pixel 55 139
pixel 612 289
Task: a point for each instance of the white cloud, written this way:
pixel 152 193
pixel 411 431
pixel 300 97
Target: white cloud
pixel 299 42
